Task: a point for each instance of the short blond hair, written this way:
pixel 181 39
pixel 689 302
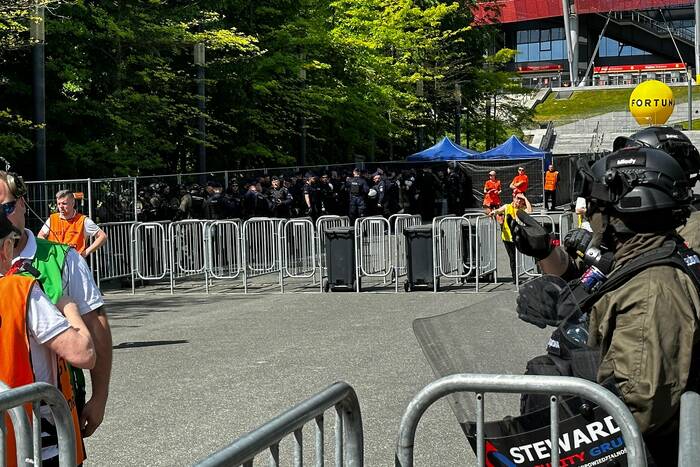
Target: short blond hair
pixel 64 194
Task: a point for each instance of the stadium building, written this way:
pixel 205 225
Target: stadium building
pixel 612 42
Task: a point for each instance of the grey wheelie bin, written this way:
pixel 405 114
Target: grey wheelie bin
pixel 340 259
pixel 419 258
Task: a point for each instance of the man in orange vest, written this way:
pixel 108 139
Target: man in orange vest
pixel 32 333
pixel 72 228
pixel 520 182
pixel 551 183
pixel 492 193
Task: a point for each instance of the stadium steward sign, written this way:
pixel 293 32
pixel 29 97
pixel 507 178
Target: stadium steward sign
pixel 651 103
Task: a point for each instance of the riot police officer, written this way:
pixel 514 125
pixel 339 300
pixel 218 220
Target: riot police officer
pixel 383 187
pixel 643 312
pixel 280 200
pixel 312 196
pixel 357 189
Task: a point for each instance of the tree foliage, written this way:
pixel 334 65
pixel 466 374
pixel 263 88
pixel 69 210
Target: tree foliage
pixel 351 77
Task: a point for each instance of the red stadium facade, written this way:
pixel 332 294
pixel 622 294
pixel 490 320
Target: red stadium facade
pixel 622 37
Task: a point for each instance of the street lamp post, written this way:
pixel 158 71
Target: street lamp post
pixel 37 36
pixel 200 62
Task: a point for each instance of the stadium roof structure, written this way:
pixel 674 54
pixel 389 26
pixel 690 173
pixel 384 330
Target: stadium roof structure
pixel 513 11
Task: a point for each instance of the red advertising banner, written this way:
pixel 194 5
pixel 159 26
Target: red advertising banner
pixel 513 11
pixel 538 68
pixel 645 67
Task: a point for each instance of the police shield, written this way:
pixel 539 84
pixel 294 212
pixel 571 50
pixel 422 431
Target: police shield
pixel 466 341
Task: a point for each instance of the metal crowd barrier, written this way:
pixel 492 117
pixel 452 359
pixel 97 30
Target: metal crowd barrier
pixel 399 222
pixel 373 254
pixel 688 446
pixel 567 222
pixel 298 247
pixel 224 255
pixel 261 248
pixel 526 265
pixel 349 438
pixel 323 224
pixel 113 259
pixel 485 248
pixel 452 258
pixel 149 251
pixel 28 439
pixel 554 386
pixel 187 250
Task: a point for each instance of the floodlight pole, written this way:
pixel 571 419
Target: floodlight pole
pixel 571 31
pixel 697 37
pixel 37 35
pixel 690 98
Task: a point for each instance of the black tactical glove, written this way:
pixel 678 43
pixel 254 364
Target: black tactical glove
pixel 545 301
pixel 529 237
pixel 576 242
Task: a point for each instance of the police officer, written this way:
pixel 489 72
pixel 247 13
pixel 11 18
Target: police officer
pixel 312 196
pixel 678 145
pixel 643 320
pixel 358 190
pixel 455 191
pixel 280 200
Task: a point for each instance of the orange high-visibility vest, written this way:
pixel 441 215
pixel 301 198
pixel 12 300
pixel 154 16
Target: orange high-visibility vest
pixel 521 182
pixel 550 180
pixel 492 199
pixel 70 232
pixel 15 359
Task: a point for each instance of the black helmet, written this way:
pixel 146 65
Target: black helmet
pixel 639 185
pixel 669 140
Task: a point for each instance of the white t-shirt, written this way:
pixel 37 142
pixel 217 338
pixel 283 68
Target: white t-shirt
pixel 44 322
pixel 78 283
pixel 89 226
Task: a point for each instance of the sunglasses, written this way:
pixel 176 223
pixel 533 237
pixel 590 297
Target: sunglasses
pixel 9 208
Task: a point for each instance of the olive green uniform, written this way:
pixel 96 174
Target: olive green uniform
pixel 691 231
pixel 646 330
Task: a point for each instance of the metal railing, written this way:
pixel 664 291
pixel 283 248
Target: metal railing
pixel 298 248
pixel 261 247
pixel 373 248
pixel 349 438
pixel 187 250
pixel 28 439
pixel 554 386
pixel 224 256
pixel 452 250
pixel 485 244
pixel 113 259
pixel 399 222
pixel 688 446
pixel 149 251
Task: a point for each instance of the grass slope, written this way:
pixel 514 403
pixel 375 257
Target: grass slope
pixel 584 104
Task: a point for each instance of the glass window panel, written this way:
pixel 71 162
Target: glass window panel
pixel 544 35
pixel 558 50
pixel 545 54
pixel 545 45
pixel 522 53
pixel 522 37
pixel 557 33
pixel 534 35
pixel 533 53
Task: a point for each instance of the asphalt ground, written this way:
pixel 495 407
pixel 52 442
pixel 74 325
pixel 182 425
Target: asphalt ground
pixel 193 372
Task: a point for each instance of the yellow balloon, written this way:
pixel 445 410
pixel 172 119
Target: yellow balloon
pixel 651 103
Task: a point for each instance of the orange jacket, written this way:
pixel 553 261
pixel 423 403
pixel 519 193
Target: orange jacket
pixel 492 199
pixel 550 180
pixel 520 182
pixel 15 359
pixel 68 231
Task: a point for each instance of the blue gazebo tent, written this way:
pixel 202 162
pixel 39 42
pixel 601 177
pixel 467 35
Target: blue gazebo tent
pixel 445 150
pixel 513 148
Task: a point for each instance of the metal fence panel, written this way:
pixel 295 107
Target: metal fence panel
pixel 323 224
pixel 261 248
pixel 452 248
pixel 187 250
pixel 41 199
pixel 399 222
pixel 373 248
pixel 149 251
pixel 349 438
pixel 51 397
pixel 224 255
pixel 298 246
pixel 514 384
pixel 113 259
